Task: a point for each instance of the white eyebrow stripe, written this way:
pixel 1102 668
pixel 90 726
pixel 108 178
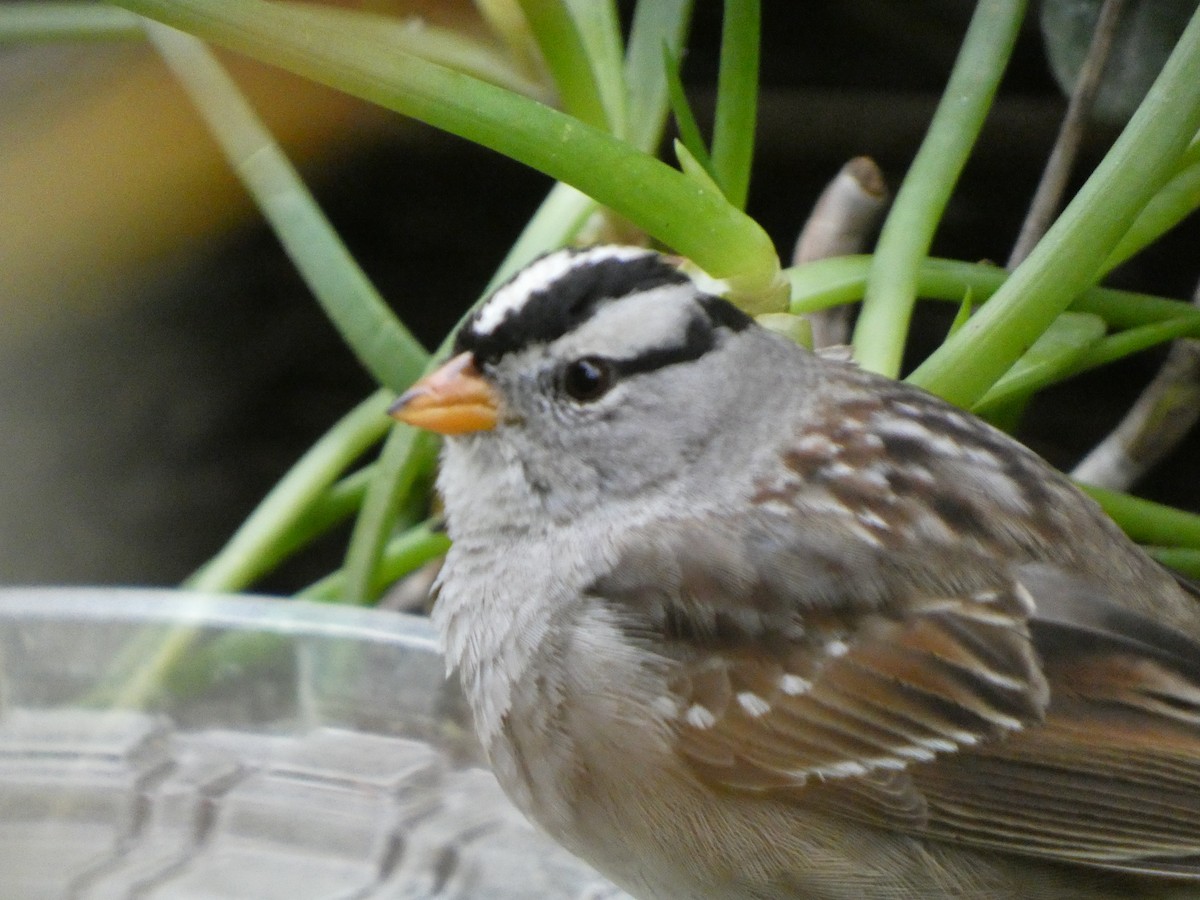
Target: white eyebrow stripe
pixel 511 297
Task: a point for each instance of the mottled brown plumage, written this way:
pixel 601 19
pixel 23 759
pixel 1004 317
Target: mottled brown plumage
pixel 740 622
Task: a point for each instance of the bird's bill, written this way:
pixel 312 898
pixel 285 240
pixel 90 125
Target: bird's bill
pixel 454 399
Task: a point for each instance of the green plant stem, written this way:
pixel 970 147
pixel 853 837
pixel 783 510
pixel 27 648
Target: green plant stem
pixel 664 202
pixel 262 540
pixel 382 344
pixel 1177 199
pixel 685 120
pixel 1185 560
pixel 882 328
pixel 335 505
pixel 46 21
pixel 737 100
pixel 1147 522
pixel 403 554
pixel 570 66
pixel 1055 356
pixel 657 25
pixel 1070 257
pixel 600 31
pixel 831 282
pixel 406 456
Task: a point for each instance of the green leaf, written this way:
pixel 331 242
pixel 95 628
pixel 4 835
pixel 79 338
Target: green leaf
pixel 1185 560
pixel 964 313
pixel 685 120
pixel 46 21
pixel 655 23
pixel 570 66
pixel 379 340
pixel 1052 357
pixel 1175 201
pixel 1148 522
pixel 796 329
pixel 263 540
pixel 695 169
pixel 403 554
pixel 718 237
pixel 737 100
pixel 600 31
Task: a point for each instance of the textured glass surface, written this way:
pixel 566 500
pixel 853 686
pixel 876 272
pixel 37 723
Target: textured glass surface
pixel 165 745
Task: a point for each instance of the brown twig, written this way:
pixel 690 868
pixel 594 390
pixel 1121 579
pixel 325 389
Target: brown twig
pixel 841 222
pixel 1048 197
pixel 1155 424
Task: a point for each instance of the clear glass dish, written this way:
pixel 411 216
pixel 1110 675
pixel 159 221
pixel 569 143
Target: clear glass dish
pixel 160 744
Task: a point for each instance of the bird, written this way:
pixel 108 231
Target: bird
pixel 737 620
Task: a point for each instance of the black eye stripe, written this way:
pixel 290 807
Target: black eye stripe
pixel 700 338
pixel 722 313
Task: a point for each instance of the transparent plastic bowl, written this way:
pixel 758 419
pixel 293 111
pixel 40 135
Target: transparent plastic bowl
pixel 160 744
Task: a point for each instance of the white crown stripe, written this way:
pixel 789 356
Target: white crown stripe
pixel 540 274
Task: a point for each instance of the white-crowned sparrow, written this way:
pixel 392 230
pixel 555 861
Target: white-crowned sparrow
pixel 738 621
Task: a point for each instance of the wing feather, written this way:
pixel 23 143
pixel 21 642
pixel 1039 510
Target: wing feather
pixel 1021 710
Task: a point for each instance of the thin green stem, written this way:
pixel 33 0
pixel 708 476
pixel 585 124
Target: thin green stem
pixel 1135 340
pixel 262 540
pixel 655 25
pixel 406 456
pixel 1148 522
pixel 737 100
pixel 403 554
pixel 1178 199
pixel 832 282
pixel 380 341
pixel 562 47
pixel 1185 560
pixel 882 328
pixel 600 31
pixel 681 110
pixel 1056 355
pixel 45 21
pixel 1070 257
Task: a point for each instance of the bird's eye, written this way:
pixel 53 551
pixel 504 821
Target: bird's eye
pixel 587 379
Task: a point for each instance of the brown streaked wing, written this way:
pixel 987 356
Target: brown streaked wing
pixel 1112 778
pixel 867 699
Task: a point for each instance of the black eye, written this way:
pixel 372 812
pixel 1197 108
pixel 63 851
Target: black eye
pixel 587 379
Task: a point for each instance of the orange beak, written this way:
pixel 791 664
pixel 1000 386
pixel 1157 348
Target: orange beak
pixel 454 399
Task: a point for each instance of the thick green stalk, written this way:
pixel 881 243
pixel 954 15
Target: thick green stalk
pixel 720 238
pixel 907 233
pixel 1071 255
